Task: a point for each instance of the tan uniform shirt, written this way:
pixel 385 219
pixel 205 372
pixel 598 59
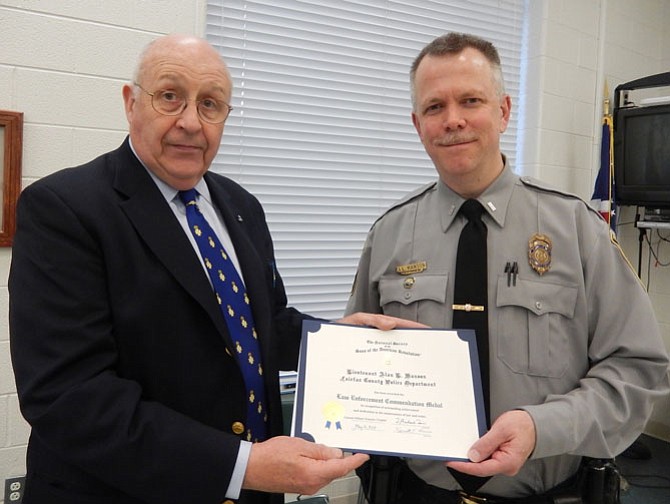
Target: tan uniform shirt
pixel 578 347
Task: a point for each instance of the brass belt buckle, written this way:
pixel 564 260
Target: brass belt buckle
pixel 471 499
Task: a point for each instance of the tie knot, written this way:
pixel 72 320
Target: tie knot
pixel 188 197
pixel 472 209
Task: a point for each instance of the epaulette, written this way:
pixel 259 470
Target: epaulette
pixel 544 187
pixel 419 191
pixel 548 188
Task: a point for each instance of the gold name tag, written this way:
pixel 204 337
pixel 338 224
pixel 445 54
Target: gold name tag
pixel 410 269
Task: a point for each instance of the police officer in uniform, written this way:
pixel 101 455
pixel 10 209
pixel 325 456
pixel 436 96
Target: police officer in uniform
pixel 575 355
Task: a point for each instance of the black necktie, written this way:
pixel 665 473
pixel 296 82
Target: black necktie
pixel 236 308
pixel 471 306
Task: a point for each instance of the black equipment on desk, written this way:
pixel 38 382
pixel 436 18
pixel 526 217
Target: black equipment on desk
pixel 641 146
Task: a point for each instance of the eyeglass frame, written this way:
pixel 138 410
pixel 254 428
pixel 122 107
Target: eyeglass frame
pixel 152 94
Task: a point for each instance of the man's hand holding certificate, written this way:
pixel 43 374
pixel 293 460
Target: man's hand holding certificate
pixel 408 392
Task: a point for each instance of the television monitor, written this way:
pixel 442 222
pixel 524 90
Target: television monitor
pixel 642 156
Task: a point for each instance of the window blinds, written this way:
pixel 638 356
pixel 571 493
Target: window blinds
pixel 321 132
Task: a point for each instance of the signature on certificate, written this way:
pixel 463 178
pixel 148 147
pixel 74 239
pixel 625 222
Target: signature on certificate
pixel 365 427
pixel 404 425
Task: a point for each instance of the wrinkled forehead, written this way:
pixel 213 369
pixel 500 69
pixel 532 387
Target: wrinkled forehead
pixel 171 75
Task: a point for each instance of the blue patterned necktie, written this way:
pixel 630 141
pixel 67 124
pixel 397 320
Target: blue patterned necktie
pixel 236 309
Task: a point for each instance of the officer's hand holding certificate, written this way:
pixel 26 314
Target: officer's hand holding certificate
pixel 408 392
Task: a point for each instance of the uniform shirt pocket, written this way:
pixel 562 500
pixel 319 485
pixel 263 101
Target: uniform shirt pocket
pixel 409 296
pixel 531 325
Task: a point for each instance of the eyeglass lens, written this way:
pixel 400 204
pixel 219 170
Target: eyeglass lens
pixel 209 109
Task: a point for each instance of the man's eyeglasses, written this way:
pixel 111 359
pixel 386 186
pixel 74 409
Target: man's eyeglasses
pixel 171 103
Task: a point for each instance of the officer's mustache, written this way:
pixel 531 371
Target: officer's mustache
pixel 453 139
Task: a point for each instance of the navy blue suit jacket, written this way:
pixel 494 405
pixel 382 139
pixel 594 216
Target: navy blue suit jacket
pixel 123 362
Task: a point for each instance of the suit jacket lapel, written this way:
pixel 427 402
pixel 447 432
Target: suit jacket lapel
pixel 151 215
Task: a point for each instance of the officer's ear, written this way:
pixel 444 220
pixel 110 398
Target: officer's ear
pixel 505 112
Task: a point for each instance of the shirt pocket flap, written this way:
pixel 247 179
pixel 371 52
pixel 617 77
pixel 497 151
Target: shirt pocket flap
pixel 410 289
pixel 538 297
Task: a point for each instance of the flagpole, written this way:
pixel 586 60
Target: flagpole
pixel 607 119
pixel 604 194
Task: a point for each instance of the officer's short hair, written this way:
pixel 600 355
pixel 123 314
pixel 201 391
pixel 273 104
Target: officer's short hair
pixel 454 43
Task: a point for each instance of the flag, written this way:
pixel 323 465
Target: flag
pixel 603 198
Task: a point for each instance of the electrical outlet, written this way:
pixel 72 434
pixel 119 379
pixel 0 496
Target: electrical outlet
pixel 14 489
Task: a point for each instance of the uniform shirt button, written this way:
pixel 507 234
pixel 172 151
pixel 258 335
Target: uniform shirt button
pixel 538 305
pixel 408 295
pixel 238 427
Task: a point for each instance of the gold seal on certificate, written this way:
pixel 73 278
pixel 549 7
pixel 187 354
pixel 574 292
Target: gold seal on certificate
pixel 407 392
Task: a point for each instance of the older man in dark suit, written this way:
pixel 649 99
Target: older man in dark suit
pixel 128 370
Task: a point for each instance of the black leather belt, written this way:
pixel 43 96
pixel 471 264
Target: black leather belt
pixel 480 499
pixel 417 490
pixel 388 480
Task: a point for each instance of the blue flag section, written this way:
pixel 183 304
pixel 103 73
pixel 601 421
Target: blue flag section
pixel 603 198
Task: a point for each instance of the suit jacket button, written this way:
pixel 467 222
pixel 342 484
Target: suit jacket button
pixel 238 427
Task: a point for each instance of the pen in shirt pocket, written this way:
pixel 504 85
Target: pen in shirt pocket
pixel 512 270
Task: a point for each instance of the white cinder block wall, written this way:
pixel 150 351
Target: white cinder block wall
pixel 63 64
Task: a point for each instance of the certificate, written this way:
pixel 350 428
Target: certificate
pixel 406 392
